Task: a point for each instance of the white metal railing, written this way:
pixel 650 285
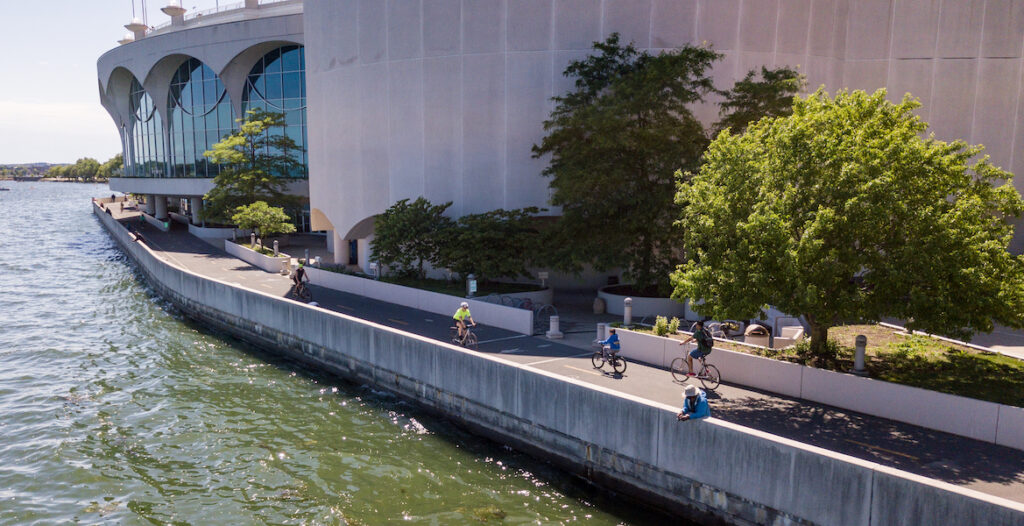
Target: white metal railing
pixel 198 15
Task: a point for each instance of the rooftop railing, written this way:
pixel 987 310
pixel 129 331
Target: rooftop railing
pixel 192 18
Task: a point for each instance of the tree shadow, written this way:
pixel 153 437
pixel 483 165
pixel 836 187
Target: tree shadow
pixel 926 452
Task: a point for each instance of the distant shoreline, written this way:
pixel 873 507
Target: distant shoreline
pixel 56 180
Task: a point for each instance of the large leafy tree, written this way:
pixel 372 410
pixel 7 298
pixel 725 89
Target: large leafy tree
pixel 495 244
pixel 615 143
pixel 255 162
pixel 112 167
pixel 845 211
pixel 753 98
pixel 410 234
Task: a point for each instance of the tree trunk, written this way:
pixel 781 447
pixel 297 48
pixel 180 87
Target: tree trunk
pixel 819 341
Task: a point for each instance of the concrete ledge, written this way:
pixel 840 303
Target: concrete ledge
pixel 737 475
pixel 1010 427
pixel 645 306
pixel 163 226
pixel 267 263
pixel 216 236
pixel 509 318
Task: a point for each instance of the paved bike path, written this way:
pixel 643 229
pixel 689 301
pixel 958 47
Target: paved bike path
pixel 977 465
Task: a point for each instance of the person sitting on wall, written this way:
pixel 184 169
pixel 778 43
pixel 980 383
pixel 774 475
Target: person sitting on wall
pixel 695 404
pixel 704 344
pixel 460 317
pixel 610 345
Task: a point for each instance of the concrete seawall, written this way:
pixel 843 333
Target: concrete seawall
pixel 710 470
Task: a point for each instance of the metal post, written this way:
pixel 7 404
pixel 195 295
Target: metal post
pixel 306 260
pixel 627 311
pixel 252 239
pixel 276 253
pixel 858 360
pixel 470 285
pixel 602 331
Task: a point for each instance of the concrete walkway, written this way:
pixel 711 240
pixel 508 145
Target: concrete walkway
pixel 977 465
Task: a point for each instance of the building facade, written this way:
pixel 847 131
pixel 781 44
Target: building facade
pixel 445 98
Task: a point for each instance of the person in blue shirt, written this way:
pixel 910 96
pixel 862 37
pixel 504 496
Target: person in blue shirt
pixel 610 344
pixel 695 404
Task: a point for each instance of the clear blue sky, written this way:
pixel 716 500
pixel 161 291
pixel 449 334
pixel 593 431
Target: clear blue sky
pixel 49 96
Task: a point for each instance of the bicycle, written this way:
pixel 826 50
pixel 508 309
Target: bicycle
pixel 603 356
pixel 468 340
pixel 301 291
pixel 708 374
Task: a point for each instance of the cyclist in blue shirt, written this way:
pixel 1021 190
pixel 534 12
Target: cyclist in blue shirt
pixel 610 344
pixel 695 404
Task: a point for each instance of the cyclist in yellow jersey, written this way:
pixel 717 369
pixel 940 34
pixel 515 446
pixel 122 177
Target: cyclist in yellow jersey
pixel 461 316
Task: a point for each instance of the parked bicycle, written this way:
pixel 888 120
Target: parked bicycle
pixel 468 340
pixel 604 355
pixel 708 374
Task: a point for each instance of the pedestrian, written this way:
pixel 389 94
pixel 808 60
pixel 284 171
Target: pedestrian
pixel 695 404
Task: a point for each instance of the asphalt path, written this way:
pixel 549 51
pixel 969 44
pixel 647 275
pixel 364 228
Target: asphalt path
pixel 973 464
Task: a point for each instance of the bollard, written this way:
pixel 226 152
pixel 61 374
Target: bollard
pixel 602 331
pixel 306 261
pixel 858 360
pixel 627 312
pixel 553 332
pixel 286 266
pixel 276 253
pixel 252 240
pixel 317 262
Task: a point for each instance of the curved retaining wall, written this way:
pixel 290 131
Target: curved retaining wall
pixel 709 469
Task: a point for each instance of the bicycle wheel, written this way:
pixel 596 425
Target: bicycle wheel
pixel 453 335
pixel 471 342
pixel 618 364
pixel 678 369
pixel 305 293
pixel 710 377
pixel 597 359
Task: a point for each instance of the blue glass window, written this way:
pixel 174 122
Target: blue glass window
pixel 199 115
pixel 144 151
pixel 277 83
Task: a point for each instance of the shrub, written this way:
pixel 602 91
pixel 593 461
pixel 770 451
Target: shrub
pixel 660 326
pixel 673 326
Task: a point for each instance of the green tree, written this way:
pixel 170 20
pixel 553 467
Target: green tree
pixel 112 167
pixel 266 219
pixel 845 211
pixel 614 143
pixel 492 245
pixel 255 164
pixel 85 169
pixel 408 235
pixel 750 100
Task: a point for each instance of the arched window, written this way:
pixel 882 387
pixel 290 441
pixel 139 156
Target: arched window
pixel 199 115
pixel 277 83
pixel 144 152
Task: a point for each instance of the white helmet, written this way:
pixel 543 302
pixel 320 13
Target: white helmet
pixel 464 304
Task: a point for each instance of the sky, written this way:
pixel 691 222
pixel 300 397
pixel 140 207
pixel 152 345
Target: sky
pixel 49 96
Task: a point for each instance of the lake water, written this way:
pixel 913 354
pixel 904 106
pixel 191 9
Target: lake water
pixel 115 409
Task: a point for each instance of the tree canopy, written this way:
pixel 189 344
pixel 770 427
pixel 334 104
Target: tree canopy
pixel 409 235
pixel 615 143
pixel 255 164
pixel 750 99
pixel 267 220
pixel 844 211
pixel 491 245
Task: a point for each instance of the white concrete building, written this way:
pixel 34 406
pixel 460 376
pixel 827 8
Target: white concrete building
pixel 444 98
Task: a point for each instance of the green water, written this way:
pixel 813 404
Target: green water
pixel 116 410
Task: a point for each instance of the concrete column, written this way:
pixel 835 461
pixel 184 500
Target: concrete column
pixel 330 241
pixel 364 253
pixel 196 204
pixel 161 207
pixel 150 204
pixel 339 248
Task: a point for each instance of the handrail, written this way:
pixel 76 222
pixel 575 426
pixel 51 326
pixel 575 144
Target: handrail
pixel 198 15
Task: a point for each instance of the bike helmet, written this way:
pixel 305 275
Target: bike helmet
pixel 464 304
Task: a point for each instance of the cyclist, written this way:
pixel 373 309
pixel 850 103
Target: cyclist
pixel 299 276
pixel 610 345
pixel 695 404
pixel 704 344
pixel 461 316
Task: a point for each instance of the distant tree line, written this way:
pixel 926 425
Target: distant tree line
pixel 88 169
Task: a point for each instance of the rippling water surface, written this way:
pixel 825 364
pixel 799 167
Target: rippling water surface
pixel 114 409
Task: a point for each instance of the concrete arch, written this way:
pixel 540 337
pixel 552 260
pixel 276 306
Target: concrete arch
pixel 234 74
pixel 158 81
pixel 115 98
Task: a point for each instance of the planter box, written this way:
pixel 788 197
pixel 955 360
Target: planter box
pixel 642 307
pixel 509 318
pixel 267 263
pixel 647 348
pixel 216 236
